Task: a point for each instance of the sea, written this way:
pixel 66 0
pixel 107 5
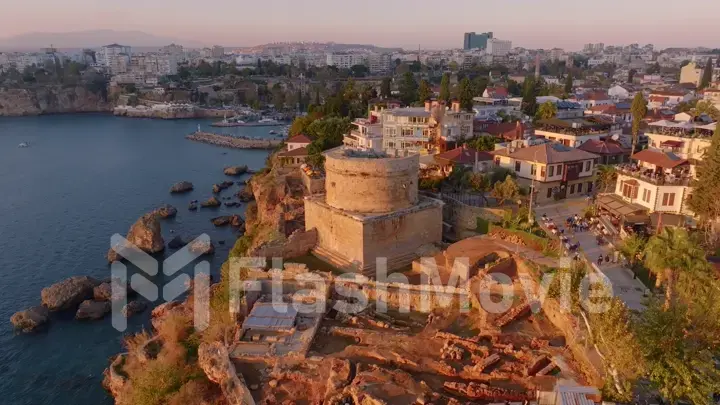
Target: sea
pixel 82 179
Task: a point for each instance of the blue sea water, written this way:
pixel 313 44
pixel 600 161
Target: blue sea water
pixel 84 178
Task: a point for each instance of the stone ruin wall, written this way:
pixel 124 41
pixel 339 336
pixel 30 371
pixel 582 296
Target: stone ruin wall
pixel 336 231
pixel 371 185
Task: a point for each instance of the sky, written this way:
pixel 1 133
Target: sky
pixel 431 24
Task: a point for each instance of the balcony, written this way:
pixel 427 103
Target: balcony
pixel 675 178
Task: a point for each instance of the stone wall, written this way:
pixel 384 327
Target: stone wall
pixel 299 243
pixel 463 217
pixel 337 232
pixel 313 185
pixel 371 185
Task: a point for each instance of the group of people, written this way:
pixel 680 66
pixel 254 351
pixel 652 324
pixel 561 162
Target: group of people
pixel 577 224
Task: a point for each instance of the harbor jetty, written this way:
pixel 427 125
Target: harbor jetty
pixel 235 142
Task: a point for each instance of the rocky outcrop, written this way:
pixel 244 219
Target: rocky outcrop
pixel 192 206
pixel 222 186
pixel 162 311
pixel 103 292
pixel 51 99
pixel 235 170
pixel 145 234
pixel 201 247
pixel 166 211
pixel 211 202
pixel 31 319
pixel 133 307
pixel 69 293
pixel 214 360
pixel 113 379
pixel 234 220
pixel 177 243
pixel 246 194
pixel 92 310
pixel 182 187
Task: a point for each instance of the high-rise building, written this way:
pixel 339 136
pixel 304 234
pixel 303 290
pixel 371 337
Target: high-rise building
pixel 498 47
pixel 218 51
pixel 107 53
pixel 380 63
pixel 476 41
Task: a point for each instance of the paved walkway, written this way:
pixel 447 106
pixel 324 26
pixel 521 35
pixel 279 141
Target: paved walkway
pixel 629 289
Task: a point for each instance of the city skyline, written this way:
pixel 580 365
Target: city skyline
pixel 554 23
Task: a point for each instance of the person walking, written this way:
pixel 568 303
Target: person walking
pixel 600 260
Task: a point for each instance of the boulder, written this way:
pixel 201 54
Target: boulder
pixel 236 221
pixel 133 307
pixel 103 292
pixel 69 293
pixel 232 204
pixel 235 170
pixel 201 247
pixel 193 206
pixel 245 195
pixel 182 187
pixel 145 234
pixel 177 243
pixel 31 319
pixel 221 221
pixel 92 310
pixel 166 211
pixel 216 189
pixel 211 202
pixel 222 186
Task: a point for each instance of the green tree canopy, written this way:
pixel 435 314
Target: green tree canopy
pixel 707 74
pixel 506 190
pixel 638 109
pixel 607 175
pixel 445 88
pixel 385 89
pixel 424 91
pixel 705 195
pixel 408 89
pixel 529 100
pixel 546 111
pixel 465 94
pixel 569 83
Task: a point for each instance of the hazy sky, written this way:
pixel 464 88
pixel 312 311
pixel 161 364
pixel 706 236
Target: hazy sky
pixel 429 23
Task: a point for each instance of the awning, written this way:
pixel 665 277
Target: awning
pixel 667 219
pixel 616 206
pixel 672 144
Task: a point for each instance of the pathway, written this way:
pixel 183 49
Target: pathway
pixel 630 289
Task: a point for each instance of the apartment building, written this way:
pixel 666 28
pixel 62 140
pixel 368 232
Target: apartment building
pixel 365 134
pixel 498 47
pixel 345 60
pixel 217 52
pixel 575 131
pixel 380 63
pixel 107 53
pixel 119 64
pixel 687 140
pixel 554 170
pixel 432 127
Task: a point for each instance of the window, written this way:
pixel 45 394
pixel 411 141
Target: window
pixel 542 172
pixel 579 187
pixel 517 166
pixel 551 171
pixel 572 189
pixel 590 187
pixel 629 190
pixel 668 199
pixel 559 170
pixel 646 195
pixel 533 170
pixel 587 165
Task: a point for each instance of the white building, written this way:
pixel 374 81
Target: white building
pixel 380 63
pixel 365 134
pixel 105 54
pixel 345 60
pixel 498 47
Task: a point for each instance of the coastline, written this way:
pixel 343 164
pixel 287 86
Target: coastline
pixel 233 142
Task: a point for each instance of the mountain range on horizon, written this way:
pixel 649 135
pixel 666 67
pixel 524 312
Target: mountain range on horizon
pixel 90 39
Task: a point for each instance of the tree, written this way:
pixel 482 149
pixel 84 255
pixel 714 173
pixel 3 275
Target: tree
pixel 514 88
pixel 607 175
pixel 653 69
pixel 465 94
pixel 707 74
pixel 667 254
pixel 546 111
pixel 479 84
pixel 631 75
pixel 569 84
pixel 529 100
pixel 639 110
pixel 482 143
pixel 424 92
pixel 708 108
pixel 705 195
pixel 632 248
pixel 385 90
pixel 445 88
pixel 505 190
pixel 408 89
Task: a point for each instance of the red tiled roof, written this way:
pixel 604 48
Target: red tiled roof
pixel 300 138
pixel 667 93
pixel 462 155
pixel 665 160
pixel 596 95
pixel 604 108
pixel 497 91
pixel 602 147
pixel 548 153
pixel 506 130
pixel 297 152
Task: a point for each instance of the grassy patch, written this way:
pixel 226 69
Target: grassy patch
pixel 483 226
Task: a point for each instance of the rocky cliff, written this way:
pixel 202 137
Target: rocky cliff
pixel 51 100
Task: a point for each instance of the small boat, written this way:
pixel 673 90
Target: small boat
pixel 23 145
pixel 273 132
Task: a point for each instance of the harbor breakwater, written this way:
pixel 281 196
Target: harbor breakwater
pixel 233 142
pixel 168 112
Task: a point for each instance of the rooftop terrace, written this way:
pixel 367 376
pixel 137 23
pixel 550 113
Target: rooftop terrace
pixel 681 129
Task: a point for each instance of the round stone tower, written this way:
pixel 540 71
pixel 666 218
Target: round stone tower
pixel 370 182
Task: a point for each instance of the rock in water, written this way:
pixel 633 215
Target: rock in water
pixel 92 310
pixel 237 221
pixel 212 202
pixel 133 307
pixel 192 206
pixel 182 187
pixel 235 170
pixel 177 243
pixel 166 211
pixel 145 234
pixel 68 293
pixel 222 221
pixel 103 292
pixel 216 189
pixel 201 247
pixel 31 319
pixel 245 195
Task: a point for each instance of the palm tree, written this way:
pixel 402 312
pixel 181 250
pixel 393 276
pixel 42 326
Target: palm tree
pixel 632 248
pixel 606 176
pixel 669 253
